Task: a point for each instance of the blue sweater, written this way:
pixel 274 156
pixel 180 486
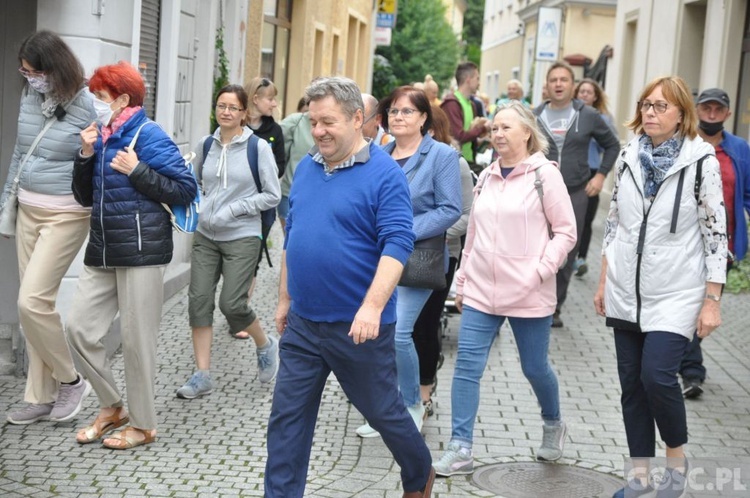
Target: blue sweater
pixel 338 228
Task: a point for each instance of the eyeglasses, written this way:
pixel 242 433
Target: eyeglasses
pixel 231 108
pixel 29 73
pixel 659 107
pixel 406 112
pixel 370 117
pixel 265 82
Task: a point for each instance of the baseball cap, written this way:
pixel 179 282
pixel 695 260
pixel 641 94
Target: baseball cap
pixel 714 95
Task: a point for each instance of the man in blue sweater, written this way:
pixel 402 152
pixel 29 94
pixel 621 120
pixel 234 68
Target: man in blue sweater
pixel 348 236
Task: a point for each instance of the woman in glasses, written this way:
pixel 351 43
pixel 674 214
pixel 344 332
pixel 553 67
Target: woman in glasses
pixel 433 172
pixel 663 266
pixel 51 226
pixel 260 107
pixel 227 241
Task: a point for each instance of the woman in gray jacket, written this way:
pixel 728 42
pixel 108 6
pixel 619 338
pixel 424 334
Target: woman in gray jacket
pixel 51 226
pixel 228 239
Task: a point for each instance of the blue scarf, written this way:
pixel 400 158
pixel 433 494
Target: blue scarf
pixel 656 162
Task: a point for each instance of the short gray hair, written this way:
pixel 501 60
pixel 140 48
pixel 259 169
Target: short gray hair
pixel 537 141
pixel 370 101
pixel 344 91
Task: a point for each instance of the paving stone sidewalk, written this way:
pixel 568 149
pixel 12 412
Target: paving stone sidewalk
pixel 215 446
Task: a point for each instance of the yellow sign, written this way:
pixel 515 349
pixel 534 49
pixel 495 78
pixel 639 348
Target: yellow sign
pixel 386 6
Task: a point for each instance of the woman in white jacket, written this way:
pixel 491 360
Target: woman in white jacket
pixel 663 266
pixel 228 239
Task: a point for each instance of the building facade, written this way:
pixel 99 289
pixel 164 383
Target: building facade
pixel 707 42
pixel 509 40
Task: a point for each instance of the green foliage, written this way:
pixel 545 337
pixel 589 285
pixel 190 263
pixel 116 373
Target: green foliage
pixel 738 278
pixel 221 73
pixel 472 32
pixel 422 43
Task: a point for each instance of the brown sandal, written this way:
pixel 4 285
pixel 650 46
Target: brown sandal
pixel 130 437
pixel 100 427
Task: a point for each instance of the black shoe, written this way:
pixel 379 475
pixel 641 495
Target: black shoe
pixel 693 388
pixel 557 321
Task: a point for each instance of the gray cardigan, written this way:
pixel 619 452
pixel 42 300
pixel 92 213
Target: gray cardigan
pixel 49 169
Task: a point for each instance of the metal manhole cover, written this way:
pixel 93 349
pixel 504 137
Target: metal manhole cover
pixel 532 480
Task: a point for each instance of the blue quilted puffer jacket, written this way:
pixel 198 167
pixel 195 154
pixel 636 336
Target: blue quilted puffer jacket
pixel 129 226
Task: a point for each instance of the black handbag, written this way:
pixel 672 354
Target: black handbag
pixel 425 268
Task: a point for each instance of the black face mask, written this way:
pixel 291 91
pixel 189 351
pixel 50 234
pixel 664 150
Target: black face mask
pixel 711 129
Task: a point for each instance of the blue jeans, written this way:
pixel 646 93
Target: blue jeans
pixel 478 332
pixel 692 363
pixel 409 305
pixel 309 351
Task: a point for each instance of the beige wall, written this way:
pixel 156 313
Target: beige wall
pixel 328 38
pixel 587 30
pixel 700 41
pixel 454 14
pixel 501 60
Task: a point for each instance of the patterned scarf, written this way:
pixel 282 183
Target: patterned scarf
pixel 656 162
pixel 126 114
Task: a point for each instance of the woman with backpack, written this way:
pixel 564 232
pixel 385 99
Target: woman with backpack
pixel 227 242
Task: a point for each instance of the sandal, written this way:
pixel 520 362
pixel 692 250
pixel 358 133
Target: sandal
pixel 100 427
pixel 130 437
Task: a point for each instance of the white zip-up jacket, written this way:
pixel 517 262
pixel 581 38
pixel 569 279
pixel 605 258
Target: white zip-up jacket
pixel 659 257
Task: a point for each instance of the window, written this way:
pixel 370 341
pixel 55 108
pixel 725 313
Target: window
pixel 277 17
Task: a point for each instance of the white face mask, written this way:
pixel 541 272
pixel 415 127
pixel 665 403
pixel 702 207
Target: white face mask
pixel 39 83
pixel 103 112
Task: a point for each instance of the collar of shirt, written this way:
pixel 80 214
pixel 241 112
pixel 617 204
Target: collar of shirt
pixel 361 156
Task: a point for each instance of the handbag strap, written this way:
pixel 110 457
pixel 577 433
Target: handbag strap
pixel 47 126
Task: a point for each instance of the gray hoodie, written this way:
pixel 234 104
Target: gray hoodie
pixel 231 204
pixel 573 158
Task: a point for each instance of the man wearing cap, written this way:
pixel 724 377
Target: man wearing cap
pixel 733 154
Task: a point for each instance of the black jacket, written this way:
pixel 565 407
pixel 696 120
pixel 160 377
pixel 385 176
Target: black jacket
pixel 270 131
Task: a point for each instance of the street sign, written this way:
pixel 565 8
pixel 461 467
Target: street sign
pixel 548 34
pixel 382 36
pixel 386 14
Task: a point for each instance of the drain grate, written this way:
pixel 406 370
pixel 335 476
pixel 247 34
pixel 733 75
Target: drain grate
pixel 534 480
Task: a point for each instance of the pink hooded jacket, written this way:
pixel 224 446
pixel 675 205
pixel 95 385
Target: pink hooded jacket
pixel 509 262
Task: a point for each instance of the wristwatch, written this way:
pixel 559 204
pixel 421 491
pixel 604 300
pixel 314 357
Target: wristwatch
pixel 713 297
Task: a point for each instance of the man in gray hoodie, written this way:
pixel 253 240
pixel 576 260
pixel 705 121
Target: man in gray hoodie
pixel 569 126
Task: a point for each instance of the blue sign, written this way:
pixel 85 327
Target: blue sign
pixel 386 20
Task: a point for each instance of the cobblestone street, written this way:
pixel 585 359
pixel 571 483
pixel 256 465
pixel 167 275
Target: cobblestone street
pixel 215 445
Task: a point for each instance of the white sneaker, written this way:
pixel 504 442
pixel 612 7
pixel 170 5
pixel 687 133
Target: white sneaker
pixel 417 414
pixel 553 442
pixel 456 460
pixel 366 431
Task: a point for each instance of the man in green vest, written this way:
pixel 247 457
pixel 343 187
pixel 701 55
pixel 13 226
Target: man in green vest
pixel 461 112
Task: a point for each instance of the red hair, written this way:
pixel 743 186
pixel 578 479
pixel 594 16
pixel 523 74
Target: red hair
pixel 119 79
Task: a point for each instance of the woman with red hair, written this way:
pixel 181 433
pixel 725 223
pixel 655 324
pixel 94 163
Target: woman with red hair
pixel 126 168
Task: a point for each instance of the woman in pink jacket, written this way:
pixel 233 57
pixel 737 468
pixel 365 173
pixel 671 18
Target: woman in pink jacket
pixel 520 230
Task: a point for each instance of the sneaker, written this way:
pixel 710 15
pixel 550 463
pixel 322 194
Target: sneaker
pixel 366 431
pixel 673 483
pixel 429 409
pixel 268 361
pixel 456 460
pixel 30 413
pixel 634 489
pixel 69 400
pixel 693 388
pixel 418 414
pixel 198 385
pixel 553 441
pixel 581 268
pixel 557 321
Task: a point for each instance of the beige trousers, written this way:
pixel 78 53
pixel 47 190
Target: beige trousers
pixel 137 293
pixel 47 241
